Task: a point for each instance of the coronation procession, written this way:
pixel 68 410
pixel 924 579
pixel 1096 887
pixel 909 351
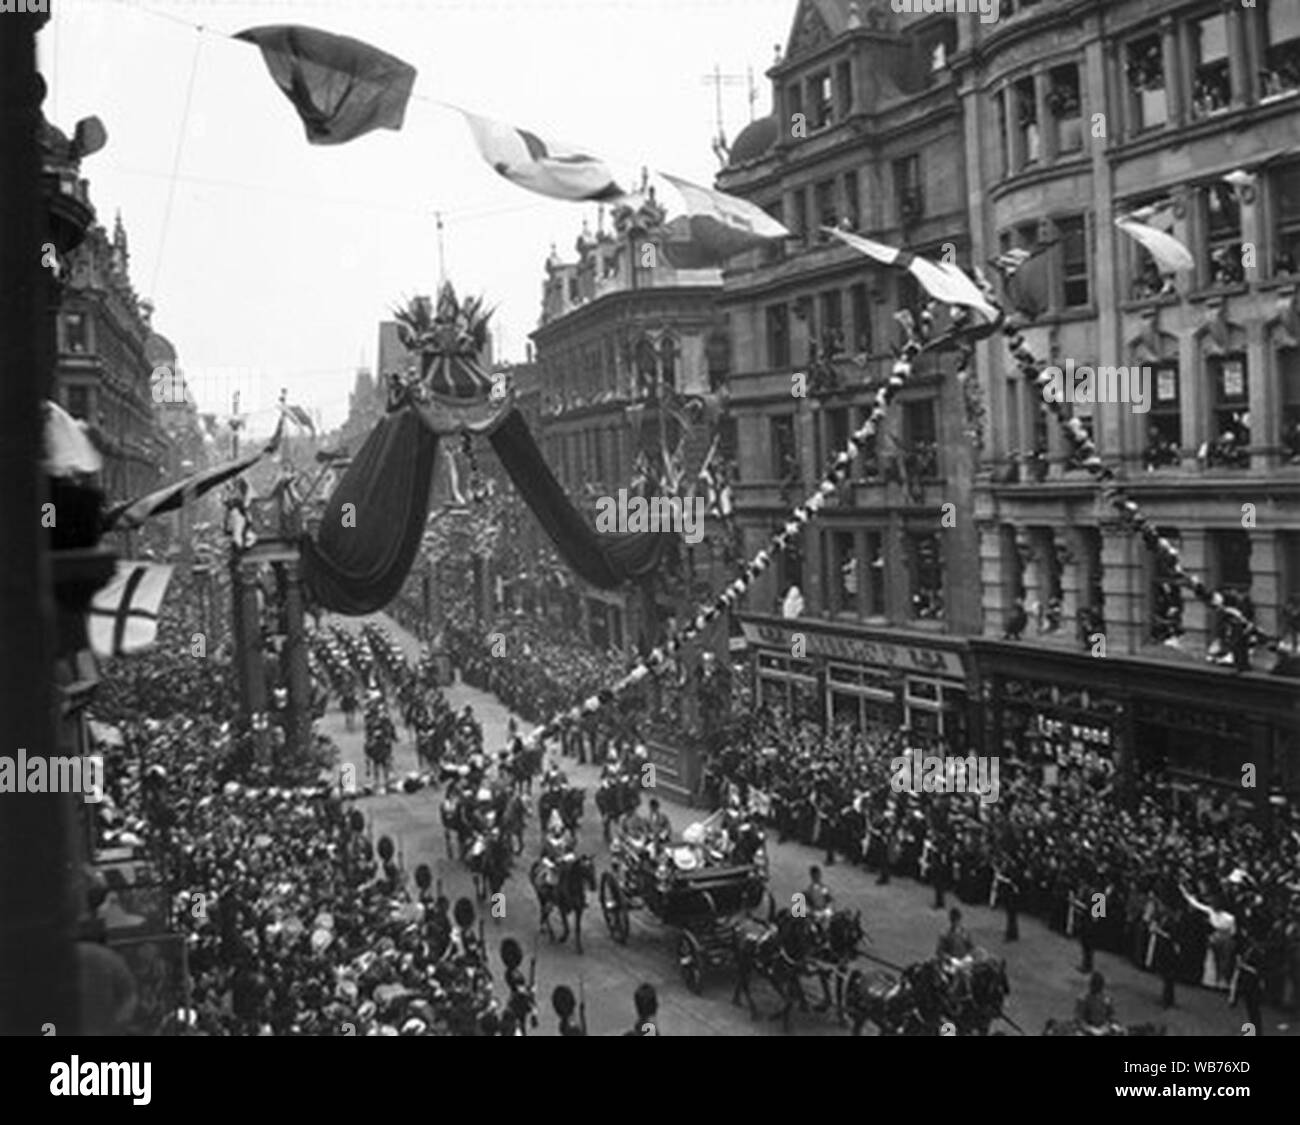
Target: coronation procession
pixel 944 706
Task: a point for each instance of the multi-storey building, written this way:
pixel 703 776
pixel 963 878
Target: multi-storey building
pixel 867 135
pixel 621 330
pixel 1187 112
pixel 103 370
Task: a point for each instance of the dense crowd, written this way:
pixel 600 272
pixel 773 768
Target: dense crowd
pixel 296 920
pixel 1186 886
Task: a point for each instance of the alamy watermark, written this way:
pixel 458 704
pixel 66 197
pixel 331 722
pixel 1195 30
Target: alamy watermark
pixel 84 775
pixel 987 10
pixel 682 514
pixel 1099 385
pixel 938 773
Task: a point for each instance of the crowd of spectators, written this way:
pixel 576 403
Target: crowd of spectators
pixel 1223 886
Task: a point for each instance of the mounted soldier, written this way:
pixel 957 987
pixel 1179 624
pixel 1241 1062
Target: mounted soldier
pixel 558 849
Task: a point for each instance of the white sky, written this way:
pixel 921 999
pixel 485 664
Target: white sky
pixel 279 258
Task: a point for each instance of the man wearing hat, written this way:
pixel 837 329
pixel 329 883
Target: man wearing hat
pixel 557 849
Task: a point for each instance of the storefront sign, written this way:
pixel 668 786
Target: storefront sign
pixel 907 657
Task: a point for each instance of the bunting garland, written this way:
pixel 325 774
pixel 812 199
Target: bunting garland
pixel 659 659
pixel 1130 513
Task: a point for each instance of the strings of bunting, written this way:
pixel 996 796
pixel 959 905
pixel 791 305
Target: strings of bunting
pixel 1129 511
pixel 657 661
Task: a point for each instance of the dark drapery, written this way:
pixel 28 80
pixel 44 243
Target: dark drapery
pixel 359 569
pixel 604 560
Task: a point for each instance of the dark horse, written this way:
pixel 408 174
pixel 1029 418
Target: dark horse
pixel 782 954
pixel 909 1005
pixel 489 863
pixel 568 896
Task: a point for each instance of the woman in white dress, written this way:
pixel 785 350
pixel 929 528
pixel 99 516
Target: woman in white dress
pixel 1218 953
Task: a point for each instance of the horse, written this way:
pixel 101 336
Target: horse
pixel 489 863
pixel 525 764
pixel 781 955
pixel 990 987
pixel 379 749
pixel 453 820
pixel 514 820
pixel 614 799
pixel 567 896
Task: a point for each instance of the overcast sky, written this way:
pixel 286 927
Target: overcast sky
pixel 276 259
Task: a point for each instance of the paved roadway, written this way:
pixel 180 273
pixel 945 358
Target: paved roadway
pixel 899 918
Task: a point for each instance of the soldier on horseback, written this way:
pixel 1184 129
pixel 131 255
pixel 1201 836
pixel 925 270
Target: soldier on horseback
pixel 954 951
pixel 558 849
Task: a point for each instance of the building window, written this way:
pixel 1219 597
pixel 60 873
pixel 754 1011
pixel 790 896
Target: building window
pixel 573 290
pixel 1223 235
pixel 852 213
pixel 1146 280
pixel 908 201
pixel 785 458
pixel 1074 262
pixel 1166 595
pixel 875 576
pixel 824 205
pixel 1165 421
pixel 778 337
pixel 1286 234
pixel 789 567
pixel 1000 108
pixel 1145 66
pixel 76 333
pixel 1066 108
pixel 1230 552
pixel 870 461
pixel 1289 365
pixel 925 571
pixel 820 100
pixel 910 295
pixel 668 356
pixel 920 440
pixel 647 369
pixel 1281 74
pixel 842 581
pixel 1231 397
pixel 1211 74
pixel 861 309
pixel 832 325
pixel 794 99
pixel 844 89
pixel 1026 106
pixel 798 225
pixel 77 401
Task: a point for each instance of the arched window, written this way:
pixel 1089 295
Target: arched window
pixel 668 356
pixel 647 368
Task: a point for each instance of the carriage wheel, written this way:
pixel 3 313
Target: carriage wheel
pixel 613 904
pixel 690 955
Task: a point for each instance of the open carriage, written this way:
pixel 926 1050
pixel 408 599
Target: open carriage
pixel 705 901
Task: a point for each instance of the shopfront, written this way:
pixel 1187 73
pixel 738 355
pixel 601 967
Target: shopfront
pixel 1186 725
pixel 843 675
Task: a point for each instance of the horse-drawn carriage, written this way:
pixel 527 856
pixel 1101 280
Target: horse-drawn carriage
pixel 704 901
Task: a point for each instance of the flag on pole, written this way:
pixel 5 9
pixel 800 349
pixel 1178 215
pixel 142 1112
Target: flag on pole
pixel 342 88
pixel 1169 254
pixel 1027 278
pixel 132 513
pixel 543 165
pixel 299 417
pixel 706 227
pixel 123 616
pixel 944 281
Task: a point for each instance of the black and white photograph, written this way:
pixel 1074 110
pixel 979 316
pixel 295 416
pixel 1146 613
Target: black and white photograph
pixel 663 518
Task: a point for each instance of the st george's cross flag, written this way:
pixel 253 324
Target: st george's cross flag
pixel 342 88
pixel 944 281
pixel 542 164
pixel 123 616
